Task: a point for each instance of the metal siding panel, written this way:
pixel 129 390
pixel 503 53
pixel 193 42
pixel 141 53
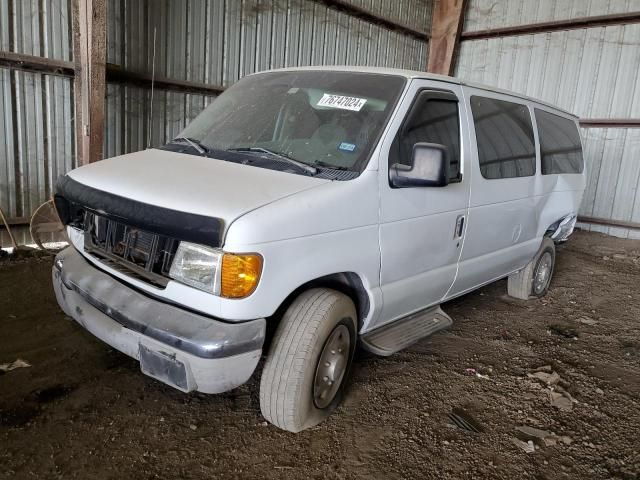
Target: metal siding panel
pixel 215 42
pixel 579 8
pixel 232 43
pixel 341 41
pixel 4 26
pixel 7 152
pixel 594 145
pixel 412 13
pixel 628 76
pixel 588 72
pixel 353 44
pixel 591 72
pixel 609 173
pixel 626 191
pixel 109 116
pixel 488 14
pixel 319 34
pixel 293 32
pixel 279 29
pixel 196 35
pixel 567 79
pixel 241 37
pixel 331 34
pixel 247 37
pixel 606 71
pixel 264 36
pixel 306 34
pixel 113 14
pixel 40 108
pixel 633 155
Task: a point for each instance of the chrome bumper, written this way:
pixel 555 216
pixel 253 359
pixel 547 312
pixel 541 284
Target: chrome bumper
pixel 184 349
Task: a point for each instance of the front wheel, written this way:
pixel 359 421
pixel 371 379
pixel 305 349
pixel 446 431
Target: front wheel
pixel 309 360
pixel 534 279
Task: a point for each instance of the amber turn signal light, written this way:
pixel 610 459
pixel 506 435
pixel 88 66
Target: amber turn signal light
pixel 240 274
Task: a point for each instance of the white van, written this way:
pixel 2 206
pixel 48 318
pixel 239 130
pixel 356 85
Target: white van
pixel 310 210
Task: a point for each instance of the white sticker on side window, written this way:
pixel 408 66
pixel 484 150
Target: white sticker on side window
pixel 340 101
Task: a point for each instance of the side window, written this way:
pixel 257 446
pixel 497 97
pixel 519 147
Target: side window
pixel 433 118
pixel 504 133
pixel 560 146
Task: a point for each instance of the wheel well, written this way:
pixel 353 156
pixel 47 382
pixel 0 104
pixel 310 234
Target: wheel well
pixel 348 283
pixel 551 229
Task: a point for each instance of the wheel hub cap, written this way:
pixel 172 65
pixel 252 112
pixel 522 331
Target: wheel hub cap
pixel 331 366
pixel 543 273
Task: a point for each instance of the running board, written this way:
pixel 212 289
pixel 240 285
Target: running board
pixel 400 334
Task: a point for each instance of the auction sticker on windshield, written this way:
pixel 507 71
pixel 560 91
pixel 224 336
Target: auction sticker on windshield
pixel 340 101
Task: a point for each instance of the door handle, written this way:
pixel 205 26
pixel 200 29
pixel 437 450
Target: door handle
pixel 459 227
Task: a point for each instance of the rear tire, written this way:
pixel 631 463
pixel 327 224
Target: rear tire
pixel 534 279
pixel 296 391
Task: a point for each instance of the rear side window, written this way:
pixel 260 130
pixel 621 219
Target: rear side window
pixel 504 133
pixel 560 146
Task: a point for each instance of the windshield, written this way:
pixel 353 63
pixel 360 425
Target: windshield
pixel 321 118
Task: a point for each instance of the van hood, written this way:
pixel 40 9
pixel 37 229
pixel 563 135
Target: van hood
pixel 193 184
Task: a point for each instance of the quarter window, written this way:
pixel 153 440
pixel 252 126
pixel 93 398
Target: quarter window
pixel 560 146
pixel 504 134
pixel 432 119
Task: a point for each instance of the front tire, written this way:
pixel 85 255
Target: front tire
pixel 534 279
pixel 309 360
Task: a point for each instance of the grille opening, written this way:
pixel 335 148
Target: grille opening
pixel 138 253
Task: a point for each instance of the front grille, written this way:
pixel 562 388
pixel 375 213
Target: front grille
pixel 138 253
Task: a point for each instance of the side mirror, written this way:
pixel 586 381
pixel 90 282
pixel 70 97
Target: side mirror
pixel 430 168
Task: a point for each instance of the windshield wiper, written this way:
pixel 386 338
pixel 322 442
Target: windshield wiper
pixel 193 143
pixel 331 166
pixel 304 166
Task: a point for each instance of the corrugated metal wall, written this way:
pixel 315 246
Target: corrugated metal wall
pixel 593 72
pixel 486 14
pixel 36 110
pixel 415 14
pixel 218 42
pixel 208 41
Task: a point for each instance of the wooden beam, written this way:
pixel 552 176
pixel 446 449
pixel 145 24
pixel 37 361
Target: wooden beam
pixel 115 74
pixel 19 221
pixel 610 122
pixel 542 27
pixel 445 34
pixel 369 16
pixel 31 63
pixel 609 223
pixel 89 53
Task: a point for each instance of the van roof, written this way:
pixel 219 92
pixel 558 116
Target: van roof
pixel 421 75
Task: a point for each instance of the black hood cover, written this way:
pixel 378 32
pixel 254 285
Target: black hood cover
pixel 73 198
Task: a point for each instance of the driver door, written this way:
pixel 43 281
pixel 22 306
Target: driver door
pixel 422 228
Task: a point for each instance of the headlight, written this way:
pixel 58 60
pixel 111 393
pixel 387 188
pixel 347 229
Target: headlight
pixel 228 275
pixel 197 266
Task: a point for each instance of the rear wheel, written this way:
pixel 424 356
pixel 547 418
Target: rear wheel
pixel 534 279
pixel 310 357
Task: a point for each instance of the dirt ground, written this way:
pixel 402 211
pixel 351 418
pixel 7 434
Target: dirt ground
pixel 83 410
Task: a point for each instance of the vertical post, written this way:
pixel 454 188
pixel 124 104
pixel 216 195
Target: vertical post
pixel 445 34
pixel 89 55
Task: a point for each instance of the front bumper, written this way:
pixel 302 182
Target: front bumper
pixel 183 349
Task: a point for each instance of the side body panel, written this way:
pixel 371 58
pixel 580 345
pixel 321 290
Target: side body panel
pixel 508 217
pixel 561 195
pixel 332 229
